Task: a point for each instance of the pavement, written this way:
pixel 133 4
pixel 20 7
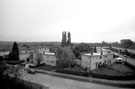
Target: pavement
pixel 62 83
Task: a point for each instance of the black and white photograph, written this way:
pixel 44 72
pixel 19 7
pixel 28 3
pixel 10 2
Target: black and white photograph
pixel 67 44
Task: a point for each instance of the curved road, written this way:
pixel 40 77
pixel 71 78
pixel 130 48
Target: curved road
pixel 62 83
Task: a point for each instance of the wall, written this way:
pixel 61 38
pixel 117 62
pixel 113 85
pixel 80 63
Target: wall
pixel 96 60
pixel 24 56
pixel 49 59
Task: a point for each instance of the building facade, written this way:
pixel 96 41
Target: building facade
pixel 95 60
pixel 49 59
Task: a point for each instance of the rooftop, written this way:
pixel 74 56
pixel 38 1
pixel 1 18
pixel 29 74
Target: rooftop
pixel 90 54
pixel 50 53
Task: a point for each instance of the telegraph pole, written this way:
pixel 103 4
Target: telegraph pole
pixel 90 66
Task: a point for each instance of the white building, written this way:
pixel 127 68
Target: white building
pixel 102 50
pixel 24 56
pixel 49 59
pixel 41 55
pixel 94 60
pixel 4 53
pixel 43 50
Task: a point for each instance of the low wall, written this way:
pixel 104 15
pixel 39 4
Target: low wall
pixel 73 72
pixel 111 77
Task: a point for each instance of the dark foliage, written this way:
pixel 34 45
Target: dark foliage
pixel 66 39
pixel 69 39
pixel 65 57
pixel 82 48
pixel 14 54
pixel 73 72
pixel 126 43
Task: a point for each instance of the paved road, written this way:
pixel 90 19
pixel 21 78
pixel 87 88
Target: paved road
pixel 62 83
pixel 129 60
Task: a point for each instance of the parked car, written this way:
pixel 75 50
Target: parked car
pixel 119 60
pixel 31 71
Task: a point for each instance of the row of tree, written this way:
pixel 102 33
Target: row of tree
pixel 126 43
pixel 66 39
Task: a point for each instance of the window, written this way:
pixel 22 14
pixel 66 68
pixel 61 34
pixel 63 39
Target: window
pixel 100 57
pixel 51 61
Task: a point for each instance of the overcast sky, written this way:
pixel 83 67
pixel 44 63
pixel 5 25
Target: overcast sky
pixel 87 20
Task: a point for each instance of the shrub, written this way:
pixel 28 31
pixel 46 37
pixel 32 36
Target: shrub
pixel 73 72
pixel 111 77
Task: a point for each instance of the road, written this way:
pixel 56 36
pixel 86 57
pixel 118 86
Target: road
pixel 131 61
pixel 128 59
pixel 62 83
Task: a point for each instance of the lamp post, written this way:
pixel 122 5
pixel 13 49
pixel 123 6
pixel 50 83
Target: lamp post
pixel 125 55
pixel 90 66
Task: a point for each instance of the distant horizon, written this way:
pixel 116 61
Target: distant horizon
pixel 55 41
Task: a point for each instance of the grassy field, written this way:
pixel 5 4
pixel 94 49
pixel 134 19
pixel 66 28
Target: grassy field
pixel 114 70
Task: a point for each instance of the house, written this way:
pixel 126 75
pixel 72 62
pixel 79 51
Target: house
pixel 4 53
pixel 102 50
pixel 95 60
pixel 49 59
pixel 42 55
pixel 43 50
pixel 24 56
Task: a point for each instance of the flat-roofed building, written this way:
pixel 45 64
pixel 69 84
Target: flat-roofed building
pixel 94 60
pixel 24 55
pixel 43 50
pixel 4 53
pixel 49 59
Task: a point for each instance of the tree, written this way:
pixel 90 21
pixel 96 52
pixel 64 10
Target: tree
pixel 14 54
pixel 82 48
pixel 104 43
pixel 69 39
pixel 9 75
pixel 65 57
pixel 64 39
pixel 38 57
pixel 126 43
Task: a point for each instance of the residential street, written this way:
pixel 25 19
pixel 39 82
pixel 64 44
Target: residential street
pixel 129 60
pixel 62 83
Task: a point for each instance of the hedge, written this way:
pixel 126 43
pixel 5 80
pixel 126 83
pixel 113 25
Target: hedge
pixel 15 62
pixel 73 72
pixel 111 77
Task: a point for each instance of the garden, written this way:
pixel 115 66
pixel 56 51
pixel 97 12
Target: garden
pixel 116 71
